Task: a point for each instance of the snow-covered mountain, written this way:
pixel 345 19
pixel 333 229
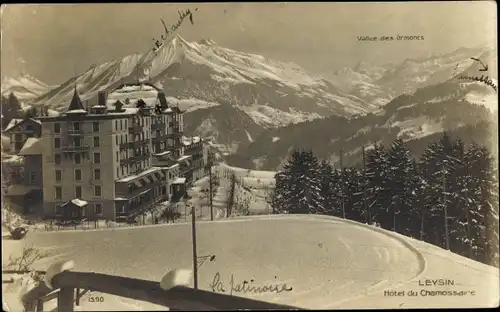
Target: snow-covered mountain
pixel 463 109
pixel 210 73
pixel 378 84
pixel 25 88
pixel 263 94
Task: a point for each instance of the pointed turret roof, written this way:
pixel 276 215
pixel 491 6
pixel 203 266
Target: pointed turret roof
pixel 76 103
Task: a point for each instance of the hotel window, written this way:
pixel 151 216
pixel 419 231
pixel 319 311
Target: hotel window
pixel 116 124
pixel 57 210
pixel 97 143
pixel 78 159
pixel 32 177
pixel 95 126
pixel 57 159
pixel 57 128
pixel 78 174
pixel 118 172
pixel 97 174
pixel 58 176
pixel 78 192
pixel 76 126
pixel 77 141
pixel 97 158
pixel 58 191
pixel 97 191
pixel 116 139
pixel 57 143
pixel 98 209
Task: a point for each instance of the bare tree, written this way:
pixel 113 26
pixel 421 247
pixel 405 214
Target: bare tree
pixel 25 261
pixel 271 199
pixel 231 193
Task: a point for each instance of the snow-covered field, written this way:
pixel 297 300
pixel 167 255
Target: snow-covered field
pixel 328 262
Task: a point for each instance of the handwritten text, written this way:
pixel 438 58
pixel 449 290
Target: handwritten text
pixel 174 27
pixel 486 80
pixel 246 286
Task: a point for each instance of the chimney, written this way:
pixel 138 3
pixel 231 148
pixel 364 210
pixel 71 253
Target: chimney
pixel 101 98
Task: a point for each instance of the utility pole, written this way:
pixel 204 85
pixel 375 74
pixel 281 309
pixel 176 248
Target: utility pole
pixel 466 200
pixel 367 209
pixel 210 182
pixel 195 256
pixel 342 183
pixel 447 238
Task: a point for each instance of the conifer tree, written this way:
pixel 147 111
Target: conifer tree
pixel 300 184
pixel 376 172
pixel 400 186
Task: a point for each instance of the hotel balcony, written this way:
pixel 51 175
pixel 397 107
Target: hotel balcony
pixel 74 132
pixel 74 148
pixel 134 144
pixel 135 158
pixel 135 128
pixel 23 131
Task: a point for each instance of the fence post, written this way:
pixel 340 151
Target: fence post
pixel 77 294
pixel 65 299
pixel 39 305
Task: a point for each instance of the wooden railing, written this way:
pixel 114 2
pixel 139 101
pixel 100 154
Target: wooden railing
pixel 60 284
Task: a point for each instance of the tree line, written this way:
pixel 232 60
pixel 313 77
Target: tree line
pixel 448 197
pixel 12 108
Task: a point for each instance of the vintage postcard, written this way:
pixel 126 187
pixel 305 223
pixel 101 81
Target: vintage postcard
pixel 213 156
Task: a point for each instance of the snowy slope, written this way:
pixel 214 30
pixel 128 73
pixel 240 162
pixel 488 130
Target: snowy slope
pixel 25 88
pixel 343 265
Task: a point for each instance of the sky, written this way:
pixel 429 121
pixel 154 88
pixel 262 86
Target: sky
pixel 53 42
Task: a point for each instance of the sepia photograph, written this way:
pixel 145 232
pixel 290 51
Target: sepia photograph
pixel 249 156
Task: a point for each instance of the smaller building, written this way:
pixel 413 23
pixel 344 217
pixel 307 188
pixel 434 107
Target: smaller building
pixel 26 191
pixel 73 210
pixel 20 130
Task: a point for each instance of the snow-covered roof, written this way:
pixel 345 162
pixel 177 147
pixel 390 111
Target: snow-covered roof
pixel 17 121
pixel 173 166
pixel 32 146
pixel 185 157
pixel 179 181
pixel 77 202
pixel 162 153
pixel 12 123
pixel 125 111
pixel 140 175
pixel 129 95
pixel 76 111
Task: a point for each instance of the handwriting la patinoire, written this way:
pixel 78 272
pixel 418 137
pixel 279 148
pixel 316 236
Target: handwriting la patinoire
pixel 174 27
pixel 246 286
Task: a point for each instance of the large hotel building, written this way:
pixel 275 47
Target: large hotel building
pixel 114 157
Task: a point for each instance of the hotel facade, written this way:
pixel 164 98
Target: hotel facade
pixel 118 156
